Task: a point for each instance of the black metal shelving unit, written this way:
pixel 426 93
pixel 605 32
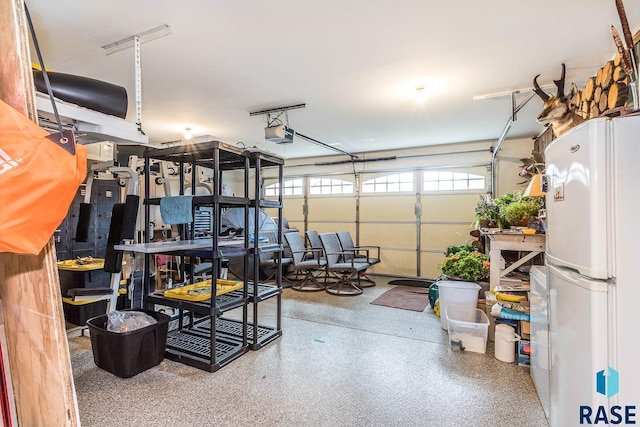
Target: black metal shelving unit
pixel 205 349
pixel 260 334
pixel 205 328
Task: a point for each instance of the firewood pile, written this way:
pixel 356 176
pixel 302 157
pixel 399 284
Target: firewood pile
pixel 607 90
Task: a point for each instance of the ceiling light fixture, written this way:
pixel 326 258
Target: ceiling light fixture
pixel 187 134
pixel 421 95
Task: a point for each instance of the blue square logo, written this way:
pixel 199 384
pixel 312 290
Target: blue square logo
pixel 608 384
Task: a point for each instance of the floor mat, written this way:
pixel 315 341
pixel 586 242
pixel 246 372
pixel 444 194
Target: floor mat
pixel 411 282
pixel 405 298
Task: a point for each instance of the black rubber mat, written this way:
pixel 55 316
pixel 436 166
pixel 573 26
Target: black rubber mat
pixel 411 282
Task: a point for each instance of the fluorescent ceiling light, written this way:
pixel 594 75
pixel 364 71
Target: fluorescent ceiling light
pixel 126 43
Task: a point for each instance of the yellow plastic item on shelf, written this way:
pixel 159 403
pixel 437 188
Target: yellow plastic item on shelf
pixel 84 302
pixel 529 231
pixel 78 265
pixel 201 291
pixel 510 298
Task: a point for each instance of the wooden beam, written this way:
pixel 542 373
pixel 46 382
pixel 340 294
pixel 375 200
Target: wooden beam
pixel 29 285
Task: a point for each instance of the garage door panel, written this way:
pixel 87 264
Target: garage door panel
pixel 292 210
pixel 451 207
pixel 390 208
pixel 430 264
pixel 401 263
pixel 389 235
pixel 389 222
pixel 334 209
pixel 439 236
pixel 296 224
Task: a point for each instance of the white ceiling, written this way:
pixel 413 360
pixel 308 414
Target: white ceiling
pixel 355 63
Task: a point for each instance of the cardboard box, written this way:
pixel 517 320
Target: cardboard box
pixel 525 330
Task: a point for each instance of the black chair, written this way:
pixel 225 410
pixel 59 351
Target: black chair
pixel 310 267
pixel 368 254
pixel 343 263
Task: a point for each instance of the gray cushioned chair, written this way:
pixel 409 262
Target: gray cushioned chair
pixel 369 254
pixel 310 266
pixel 343 263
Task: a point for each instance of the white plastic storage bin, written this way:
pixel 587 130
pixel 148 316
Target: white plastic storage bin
pixel 468 328
pixel 453 292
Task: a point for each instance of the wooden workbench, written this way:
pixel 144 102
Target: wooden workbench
pixel 528 245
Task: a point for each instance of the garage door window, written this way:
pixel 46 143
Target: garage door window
pixel 395 183
pixel 452 181
pixel 292 187
pixel 330 186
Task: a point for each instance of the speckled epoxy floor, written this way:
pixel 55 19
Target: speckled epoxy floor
pixel 340 362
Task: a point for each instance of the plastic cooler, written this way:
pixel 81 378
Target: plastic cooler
pixel 451 292
pixel 126 354
pixel 468 328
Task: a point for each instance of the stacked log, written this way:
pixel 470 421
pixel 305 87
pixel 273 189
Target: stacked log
pixel 606 90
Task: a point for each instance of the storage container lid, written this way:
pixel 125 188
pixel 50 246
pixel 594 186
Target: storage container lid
pixel 464 314
pixel 503 329
pixel 457 284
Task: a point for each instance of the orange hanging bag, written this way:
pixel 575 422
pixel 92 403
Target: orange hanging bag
pixel 39 177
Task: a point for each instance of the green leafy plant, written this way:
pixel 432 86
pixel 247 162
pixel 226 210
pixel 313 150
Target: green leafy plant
pixel 520 211
pixel 465 262
pixel 454 249
pixel 505 200
pixel 516 208
pixel 487 210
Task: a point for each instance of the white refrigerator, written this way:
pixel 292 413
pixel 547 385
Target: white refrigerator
pixel 593 260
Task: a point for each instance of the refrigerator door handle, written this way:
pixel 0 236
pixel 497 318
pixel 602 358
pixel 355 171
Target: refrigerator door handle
pixel 545 183
pixel 570 274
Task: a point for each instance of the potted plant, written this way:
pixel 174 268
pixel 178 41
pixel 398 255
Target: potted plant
pixel 465 262
pixel 517 209
pixel 519 213
pixel 487 214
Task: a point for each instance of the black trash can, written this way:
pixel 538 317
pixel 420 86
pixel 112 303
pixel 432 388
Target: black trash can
pixel 126 354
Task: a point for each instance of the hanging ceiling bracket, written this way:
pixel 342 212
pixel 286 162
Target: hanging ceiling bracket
pixel 515 108
pixel 284 110
pixel 277 109
pixel 135 41
pixel 143 37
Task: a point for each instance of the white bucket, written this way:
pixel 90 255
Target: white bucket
pixel 451 292
pixel 506 338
